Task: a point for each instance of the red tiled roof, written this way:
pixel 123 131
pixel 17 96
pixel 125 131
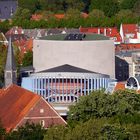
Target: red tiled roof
pixel 59 16
pixel 14 30
pixel 130 29
pixel 120 86
pixel 36 17
pixel 17 104
pixel 24 46
pixel 84 15
pixel 111 32
pixel 14 104
pixel 127 47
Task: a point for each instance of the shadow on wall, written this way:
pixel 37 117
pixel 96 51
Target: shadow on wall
pixel 121 69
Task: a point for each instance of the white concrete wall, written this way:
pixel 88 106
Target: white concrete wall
pixel 97 56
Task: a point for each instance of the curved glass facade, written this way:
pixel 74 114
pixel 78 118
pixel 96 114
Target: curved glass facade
pixel 65 87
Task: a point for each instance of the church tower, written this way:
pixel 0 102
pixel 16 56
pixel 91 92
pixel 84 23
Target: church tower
pixel 10 67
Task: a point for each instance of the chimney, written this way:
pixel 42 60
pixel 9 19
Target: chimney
pixel 104 31
pixel 98 30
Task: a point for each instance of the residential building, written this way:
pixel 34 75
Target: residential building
pixel 18 105
pixel 110 32
pixel 136 64
pixel 130 33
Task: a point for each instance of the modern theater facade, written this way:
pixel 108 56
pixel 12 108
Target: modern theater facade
pixel 68 66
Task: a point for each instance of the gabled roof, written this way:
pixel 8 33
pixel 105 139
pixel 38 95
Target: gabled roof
pixel 130 29
pixel 15 30
pixel 15 102
pixel 67 68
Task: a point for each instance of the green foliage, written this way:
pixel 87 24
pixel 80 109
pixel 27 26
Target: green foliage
pixel 22 14
pixel 99 104
pixel 109 7
pixel 72 14
pixel 127 4
pixel 4 26
pixel 124 14
pixel 93 129
pixel 114 132
pixel 32 5
pixel 28 59
pixel 27 132
pixel 136 8
pixel 96 13
pixel 75 4
pixel 56 133
pixel 2 63
pixel 2 131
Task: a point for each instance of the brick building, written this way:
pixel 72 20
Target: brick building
pixel 17 106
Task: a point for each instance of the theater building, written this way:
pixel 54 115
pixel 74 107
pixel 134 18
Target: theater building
pixel 68 66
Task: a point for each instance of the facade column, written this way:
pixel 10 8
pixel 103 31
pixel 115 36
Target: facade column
pixel 91 84
pixel 48 89
pixel 85 86
pixel 70 90
pixel 45 87
pixel 88 85
pixel 95 83
pixel 55 89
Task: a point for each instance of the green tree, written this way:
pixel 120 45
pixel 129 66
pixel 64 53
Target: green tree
pixel 109 7
pixel 56 133
pixel 93 129
pixel 136 8
pixel 2 132
pixel 74 4
pixel 124 14
pixel 73 14
pixel 29 131
pixel 99 104
pixel 2 63
pixel 28 59
pixel 22 14
pixel 32 5
pixel 96 13
pixel 127 4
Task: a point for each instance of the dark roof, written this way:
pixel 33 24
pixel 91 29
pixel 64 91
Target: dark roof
pixel 73 36
pixel 67 68
pixel 27 68
pixel 10 60
pixel 7 8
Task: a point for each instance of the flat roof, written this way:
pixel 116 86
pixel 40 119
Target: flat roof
pixel 86 37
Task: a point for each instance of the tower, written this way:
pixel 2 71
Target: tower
pixel 10 67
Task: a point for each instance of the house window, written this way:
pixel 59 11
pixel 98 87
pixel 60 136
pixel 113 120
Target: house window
pixel 41 110
pixel 42 122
